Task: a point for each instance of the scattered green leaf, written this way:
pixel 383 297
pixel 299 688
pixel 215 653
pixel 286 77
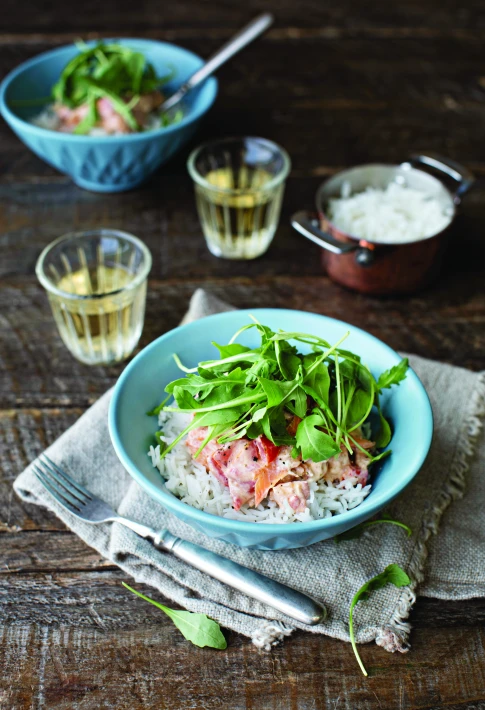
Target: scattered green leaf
pixel 358 530
pixel 196 628
pixel 393 574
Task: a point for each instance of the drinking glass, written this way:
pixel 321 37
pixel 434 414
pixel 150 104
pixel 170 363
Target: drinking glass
pixel 96 284
pixel 239 184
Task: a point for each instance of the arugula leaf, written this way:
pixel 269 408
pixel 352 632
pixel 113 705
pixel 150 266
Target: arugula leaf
pixel 393 376
pixel 278 421
pixel 357 531
pixel 90 119
pixel 184 398
pixel 347 369
pixel 266 427
pixel 382 455
pixel 359 408
pixel 275 391
pixel 297 403
pixel 111 71
pixel 366 380
pixel 393 574
pixel 196 628
pixel 162 444
pixel 314 443
pixel 383 436
pixel 231 349
pixel 157 410
pixel 250 392
pixel 213 432
pixel 221 416
pixel 317 381
pixel 288 361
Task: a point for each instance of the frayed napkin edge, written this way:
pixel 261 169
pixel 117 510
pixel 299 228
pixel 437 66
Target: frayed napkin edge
pixel 394 636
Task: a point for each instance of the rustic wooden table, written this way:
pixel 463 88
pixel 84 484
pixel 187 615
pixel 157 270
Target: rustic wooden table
pixel 336 84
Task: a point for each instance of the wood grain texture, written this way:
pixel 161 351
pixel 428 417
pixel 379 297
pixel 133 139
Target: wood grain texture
pixel 336 84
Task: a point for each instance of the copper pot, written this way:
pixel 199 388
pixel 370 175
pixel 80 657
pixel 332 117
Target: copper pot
pixel 372 267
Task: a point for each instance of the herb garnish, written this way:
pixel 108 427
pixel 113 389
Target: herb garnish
pixel 197 628
pixel 357 531
pixel 110 71
pixel 393 574
pixel 247 392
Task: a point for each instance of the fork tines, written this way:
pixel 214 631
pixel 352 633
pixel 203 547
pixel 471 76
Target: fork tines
pixel 60 485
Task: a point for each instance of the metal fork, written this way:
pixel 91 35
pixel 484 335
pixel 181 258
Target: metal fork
pixel 88 507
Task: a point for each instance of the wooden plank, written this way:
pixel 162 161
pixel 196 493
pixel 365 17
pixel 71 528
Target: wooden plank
pixel 46 552
pixel 446 323
pixel 23 436
pixel 204 15
pixel 336 85
pixel 31 215
pixel 377 100
pixel 113 638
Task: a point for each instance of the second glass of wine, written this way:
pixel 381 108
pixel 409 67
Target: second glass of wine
pixel 96 282
pixel 239 184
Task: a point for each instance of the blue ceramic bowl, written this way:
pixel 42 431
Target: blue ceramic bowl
pixel 112 163
pixel 141 385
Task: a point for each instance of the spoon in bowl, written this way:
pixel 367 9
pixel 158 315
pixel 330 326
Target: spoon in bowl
pixel 249 33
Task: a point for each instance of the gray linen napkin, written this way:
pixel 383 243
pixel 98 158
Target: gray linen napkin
pixel 326 571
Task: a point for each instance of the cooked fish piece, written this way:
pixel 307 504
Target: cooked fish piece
pixel 296 493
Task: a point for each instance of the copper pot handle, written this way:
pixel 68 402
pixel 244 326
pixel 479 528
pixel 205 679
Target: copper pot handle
pixel 307 224
pixel 451 169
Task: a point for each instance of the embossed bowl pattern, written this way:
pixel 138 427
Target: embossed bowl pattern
pixel 103 163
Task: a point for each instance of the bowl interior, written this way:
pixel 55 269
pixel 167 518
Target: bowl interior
pixel 36 77
pixel 140 388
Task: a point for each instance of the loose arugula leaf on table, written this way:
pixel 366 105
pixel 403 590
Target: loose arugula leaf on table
pixel 393 574
pixel 356 532
pixel 196 628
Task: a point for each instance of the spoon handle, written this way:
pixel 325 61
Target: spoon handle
pixel 228 50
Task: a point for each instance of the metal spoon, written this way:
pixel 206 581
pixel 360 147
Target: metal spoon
pixel 228 50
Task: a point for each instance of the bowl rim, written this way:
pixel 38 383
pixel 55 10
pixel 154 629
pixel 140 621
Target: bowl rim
pixel 186 120
pixel 173 503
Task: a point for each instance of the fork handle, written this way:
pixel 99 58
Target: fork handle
pixel 285 599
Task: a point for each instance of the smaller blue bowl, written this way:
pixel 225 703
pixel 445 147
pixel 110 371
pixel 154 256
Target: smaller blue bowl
pixel 111 163
pixel 141 385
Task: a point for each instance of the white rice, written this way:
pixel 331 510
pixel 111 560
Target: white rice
pixel 395 215
pixel 46 119
pixel 189 481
